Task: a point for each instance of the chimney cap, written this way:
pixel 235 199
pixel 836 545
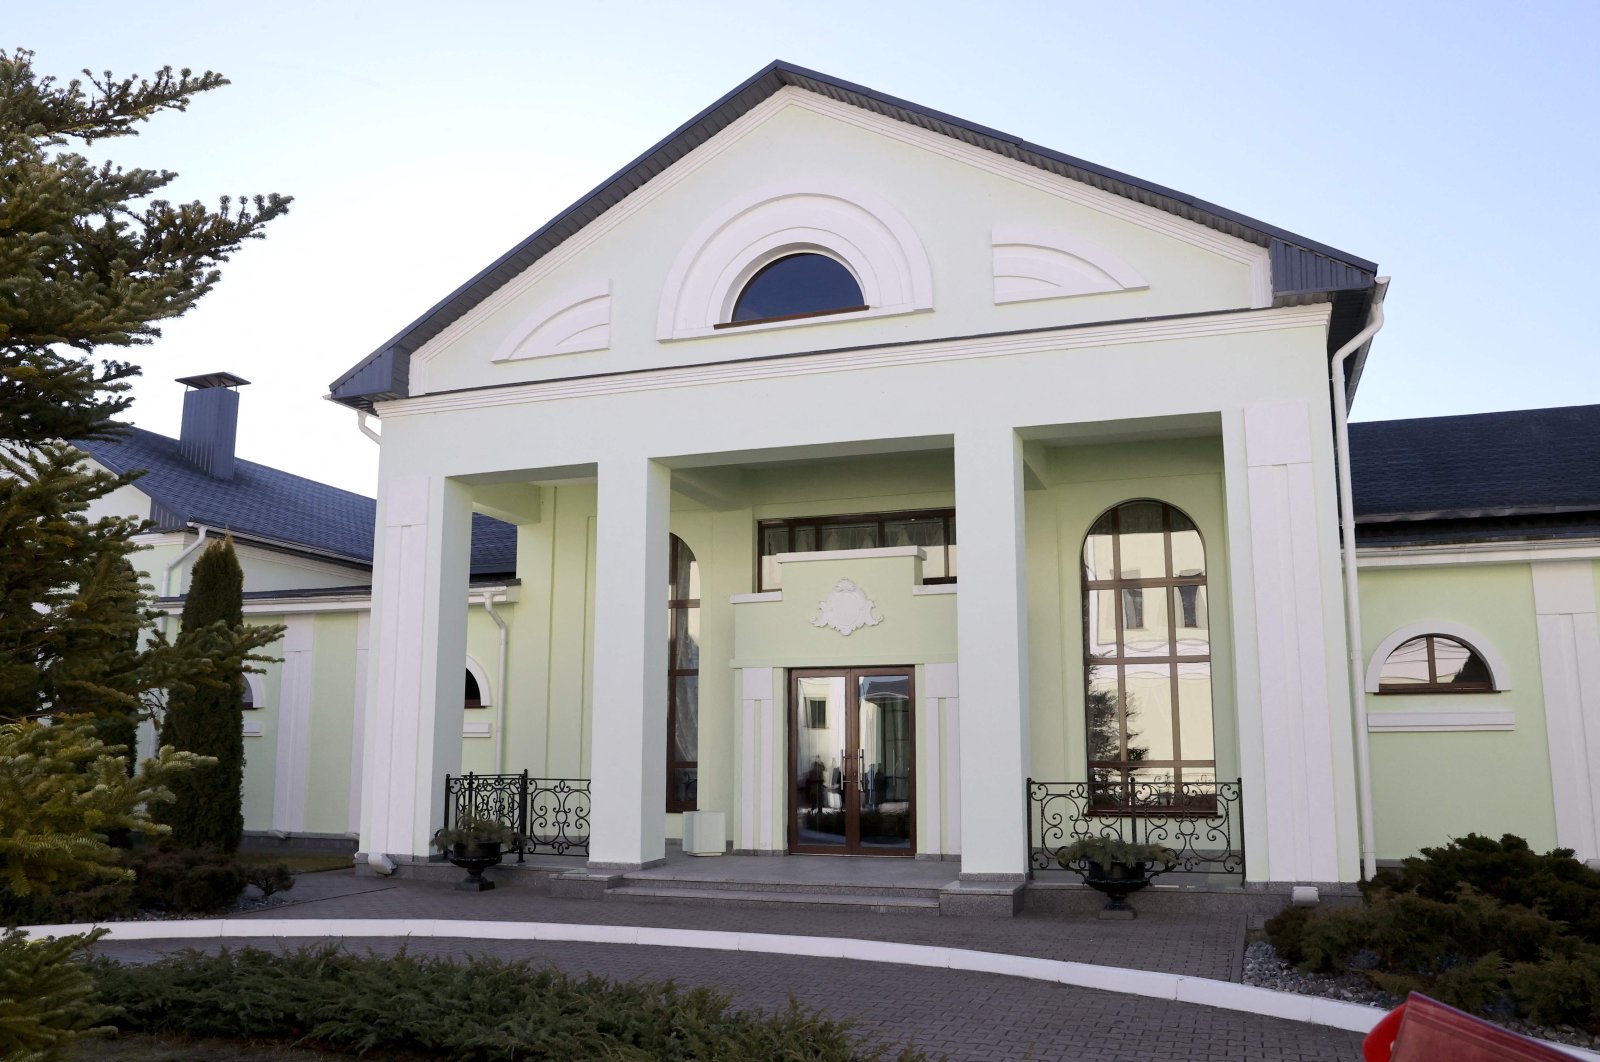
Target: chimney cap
pixel 213 379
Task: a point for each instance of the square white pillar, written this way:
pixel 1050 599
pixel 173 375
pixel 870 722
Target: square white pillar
pixel 992 658
pixel 1569 668
pixel 419 634
pixel 628 766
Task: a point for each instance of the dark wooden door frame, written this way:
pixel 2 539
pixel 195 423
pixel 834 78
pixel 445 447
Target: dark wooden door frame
pixel 851 782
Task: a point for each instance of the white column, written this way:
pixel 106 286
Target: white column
pixel 363 640
pixel 1293 777
pixel 992 624
pixel 419 653
pixel 628 763
pixel 294 726
pixel 939 696
pixel 755 687
pixel 1569 668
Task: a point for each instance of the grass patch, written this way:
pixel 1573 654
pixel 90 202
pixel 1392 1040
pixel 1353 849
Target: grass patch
pixel 473 1009
pixel 297 862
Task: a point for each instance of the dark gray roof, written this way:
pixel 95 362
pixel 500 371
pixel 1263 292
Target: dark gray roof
pixel 272 506
pixel 1302 269
pixel 1529 473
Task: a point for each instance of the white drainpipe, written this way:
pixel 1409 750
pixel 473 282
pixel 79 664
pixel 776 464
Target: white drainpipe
pixel 500 687
pixel 166 576
pixel 361 422
pixel 1352 602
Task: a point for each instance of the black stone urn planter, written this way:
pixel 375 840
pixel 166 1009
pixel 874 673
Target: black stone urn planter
pixel 475 857
pixel 1118 881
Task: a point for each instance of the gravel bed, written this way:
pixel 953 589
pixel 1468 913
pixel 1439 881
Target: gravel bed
pixel 1264 969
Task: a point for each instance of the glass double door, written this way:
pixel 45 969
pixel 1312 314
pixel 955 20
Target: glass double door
pixel 852 752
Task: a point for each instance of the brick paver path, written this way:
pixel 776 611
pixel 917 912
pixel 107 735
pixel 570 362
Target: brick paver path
pixel 969 1016
pixel 1195 945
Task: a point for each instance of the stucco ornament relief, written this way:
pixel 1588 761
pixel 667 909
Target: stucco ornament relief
pixel 846 609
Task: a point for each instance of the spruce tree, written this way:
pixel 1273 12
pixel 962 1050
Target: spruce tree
pixel 90 260
pixel 204 719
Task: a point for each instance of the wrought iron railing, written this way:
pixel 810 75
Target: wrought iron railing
pixel 1200 823
pixel 549 815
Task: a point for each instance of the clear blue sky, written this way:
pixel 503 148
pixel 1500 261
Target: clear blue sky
pixel 1453 143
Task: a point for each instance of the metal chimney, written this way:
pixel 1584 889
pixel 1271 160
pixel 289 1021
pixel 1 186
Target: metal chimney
pixel 210 422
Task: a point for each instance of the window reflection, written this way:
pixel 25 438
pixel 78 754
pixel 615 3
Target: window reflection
pixel 1435 663
pixel 934 530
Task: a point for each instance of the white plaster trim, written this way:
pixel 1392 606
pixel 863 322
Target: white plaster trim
pixel 575 321
pixel 952 773
pixel 252 728
pixel 287 606
pixel 1499 670
pixel 846 609
pixel 953 350
pixel 770 710
pixel 850 554
pixel 1379 722
pixel 359 725
pixel 290 778
pixel 751 599
pixel 1569 669
pixel 1475 553
pixel 1036 263
pixel 1149 984
pixel 1254 257
pixel 848 222
pixel 936 590
pixel 470 729
pixel 486 692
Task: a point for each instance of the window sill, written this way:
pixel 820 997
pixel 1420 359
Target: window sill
pixel 1426 722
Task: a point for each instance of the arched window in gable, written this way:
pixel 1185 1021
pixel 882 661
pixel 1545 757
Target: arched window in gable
pixel 804 284
pixel 1147 658
pixel 683 678
pixel 1435 663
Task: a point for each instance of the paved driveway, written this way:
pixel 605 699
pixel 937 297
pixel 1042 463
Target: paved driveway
pixel 965 1015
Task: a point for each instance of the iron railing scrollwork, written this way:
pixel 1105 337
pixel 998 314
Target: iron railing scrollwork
pixel 1200 823
pixel 549 815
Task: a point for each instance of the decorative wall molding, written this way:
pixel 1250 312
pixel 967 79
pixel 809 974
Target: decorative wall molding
pixel 1476 553
pixel 1379 722
pixel 963 349
pixel 575 321
pixel 295 689
pixel 850 224
pixel 1255 258
pixel 1499 670
pixel 1035 263
pixel 846 609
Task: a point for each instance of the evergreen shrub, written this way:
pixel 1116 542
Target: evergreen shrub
pixel 186 881
pixel 47 997
pixel 478 1008
pixel 1488 926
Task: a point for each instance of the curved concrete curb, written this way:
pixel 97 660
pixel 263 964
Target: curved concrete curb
pixel 1205 991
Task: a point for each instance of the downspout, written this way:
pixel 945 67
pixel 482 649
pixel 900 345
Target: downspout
pixel 361 422
pixel 1352 602
pixel 500 687
pixel 166 576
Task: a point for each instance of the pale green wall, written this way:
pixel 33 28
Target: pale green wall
pixel 1430 787
pixel 1083 482
pixel 261 753
pixel 333 697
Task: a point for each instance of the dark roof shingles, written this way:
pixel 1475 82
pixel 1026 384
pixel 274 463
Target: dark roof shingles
pixel 267 503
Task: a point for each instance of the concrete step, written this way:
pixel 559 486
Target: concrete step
pixel 927 891
pixel 817 900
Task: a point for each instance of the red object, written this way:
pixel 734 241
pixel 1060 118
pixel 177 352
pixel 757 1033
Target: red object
pixel 1423 1029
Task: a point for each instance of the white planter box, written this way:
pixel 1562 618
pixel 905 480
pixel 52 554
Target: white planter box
pixel 705 833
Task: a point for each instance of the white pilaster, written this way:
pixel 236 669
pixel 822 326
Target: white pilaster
pixel 992 624
pixel 1293 778
pixel 363 639
pixel 939 693
pixel 294 726
pixel 628 764
pixel 419 628
pixel 755 687
pixel 1569 667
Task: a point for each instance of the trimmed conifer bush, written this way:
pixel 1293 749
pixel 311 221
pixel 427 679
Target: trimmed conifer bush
pixel 1488 926
pixel 207 811
pixel 472 1009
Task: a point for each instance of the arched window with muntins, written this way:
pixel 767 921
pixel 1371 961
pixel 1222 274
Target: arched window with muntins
pixel 797 285
pixel 1435 663
pixel 1147 656
pixel 683 678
